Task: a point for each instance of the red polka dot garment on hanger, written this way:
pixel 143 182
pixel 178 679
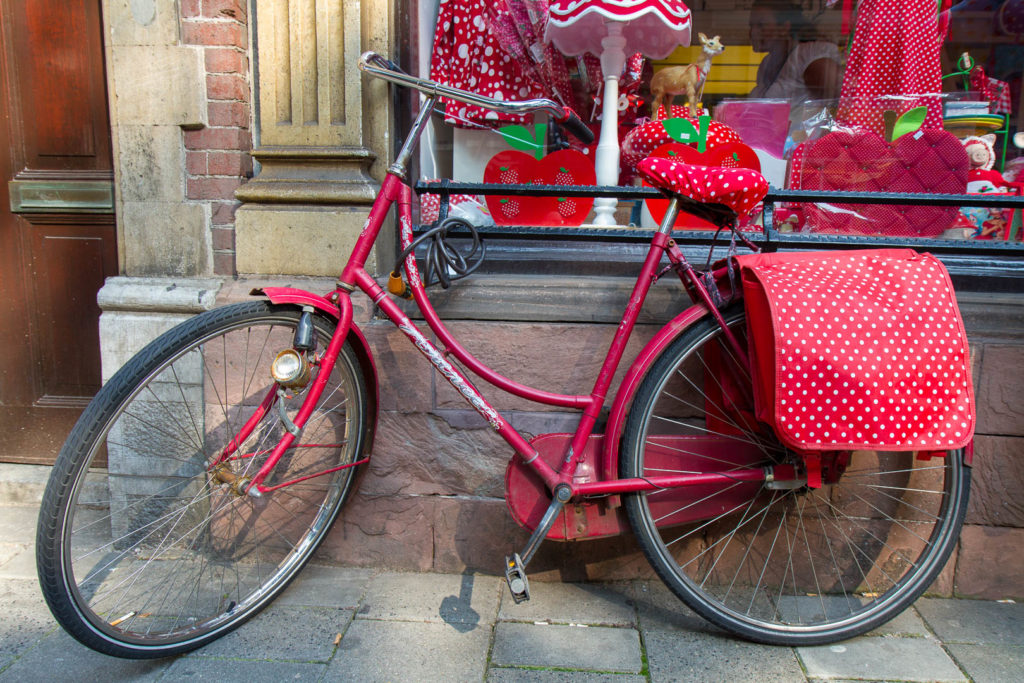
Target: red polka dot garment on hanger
pixel 893 63
pixel 861 349
pixel 469 55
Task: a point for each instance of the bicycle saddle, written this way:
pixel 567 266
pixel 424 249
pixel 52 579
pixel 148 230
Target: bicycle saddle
pixel 736 189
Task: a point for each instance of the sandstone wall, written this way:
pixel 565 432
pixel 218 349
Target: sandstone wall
pixel 432 498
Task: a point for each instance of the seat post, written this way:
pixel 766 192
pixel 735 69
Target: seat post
pixel 670 216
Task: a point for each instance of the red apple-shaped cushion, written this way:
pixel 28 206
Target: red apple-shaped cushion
pixel 647 137
pixel 564 167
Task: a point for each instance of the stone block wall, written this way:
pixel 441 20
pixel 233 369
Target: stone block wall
pixel 992 542
pixel 180 89
pixel 432 497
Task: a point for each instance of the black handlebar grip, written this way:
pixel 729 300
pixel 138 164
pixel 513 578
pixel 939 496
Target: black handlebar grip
pixel 576 126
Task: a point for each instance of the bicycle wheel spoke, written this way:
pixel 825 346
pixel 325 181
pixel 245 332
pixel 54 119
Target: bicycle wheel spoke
pixel 163 551
pixel 779 561
pixel 687 506
pixel 697 454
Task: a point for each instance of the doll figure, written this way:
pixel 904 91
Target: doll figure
pixel 981 151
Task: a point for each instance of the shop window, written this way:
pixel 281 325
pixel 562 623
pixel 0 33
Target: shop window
pixel 893 96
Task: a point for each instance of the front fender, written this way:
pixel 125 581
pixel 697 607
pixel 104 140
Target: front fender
pixel 300 297
pixel 631 382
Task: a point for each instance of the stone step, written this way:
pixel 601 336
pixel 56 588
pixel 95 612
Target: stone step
pixel 22 484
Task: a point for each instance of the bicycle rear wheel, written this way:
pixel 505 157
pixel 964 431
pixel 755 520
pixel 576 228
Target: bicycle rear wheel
pixel 783 565
pixel 142 552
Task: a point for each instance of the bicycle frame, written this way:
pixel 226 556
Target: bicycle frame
pixel 396 192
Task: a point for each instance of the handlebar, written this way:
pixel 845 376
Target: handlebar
pixel 379 67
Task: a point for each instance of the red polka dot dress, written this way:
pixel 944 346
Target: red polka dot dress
pixel 468 54
pixel 893 63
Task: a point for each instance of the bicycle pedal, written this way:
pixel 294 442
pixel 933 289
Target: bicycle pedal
pixel 515 577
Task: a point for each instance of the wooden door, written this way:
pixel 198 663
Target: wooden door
pixel 57 234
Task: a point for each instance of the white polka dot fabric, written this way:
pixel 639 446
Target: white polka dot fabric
pixel 430 205
pixel 893 64
pixel 858 350
pixel 647 137
pixel 469 55
pixel 741 189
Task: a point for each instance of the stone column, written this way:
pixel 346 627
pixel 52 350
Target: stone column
pixel 157 88
pixel 317 121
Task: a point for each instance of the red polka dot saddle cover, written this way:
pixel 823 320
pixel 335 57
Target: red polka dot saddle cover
pixel 858 350
pixel 741 189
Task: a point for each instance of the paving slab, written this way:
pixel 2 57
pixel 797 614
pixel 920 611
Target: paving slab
pixel 974 621
pixel 17 561
pixel 59 657
pixel 906 623
pixel 323 586
pixel 18 523
pixel 302 634
pixel 675 655
pixel 208 669
pixel 985 663
pixel 572 603
pixel 397 651
pixel 463 600
pixel 659 609
pixel 881 658
pixel 496 675
pixel 595 648
pixel 26 618
pixel 23 484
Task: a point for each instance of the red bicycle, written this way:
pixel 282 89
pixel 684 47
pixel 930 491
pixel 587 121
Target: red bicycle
pixel 206 472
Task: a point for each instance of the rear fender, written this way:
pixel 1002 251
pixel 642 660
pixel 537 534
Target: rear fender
pixel 631 382
pixel 299 297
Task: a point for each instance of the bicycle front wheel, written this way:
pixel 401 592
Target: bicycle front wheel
pixel 145 550
pixel 778 563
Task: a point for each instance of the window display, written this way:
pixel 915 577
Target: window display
pixel 872 96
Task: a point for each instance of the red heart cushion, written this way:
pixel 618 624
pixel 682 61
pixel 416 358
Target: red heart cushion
pixel 929 161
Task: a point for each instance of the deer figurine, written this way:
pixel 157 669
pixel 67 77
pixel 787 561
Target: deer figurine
pixel 676 80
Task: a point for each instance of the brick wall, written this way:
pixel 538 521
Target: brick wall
pixel 218 156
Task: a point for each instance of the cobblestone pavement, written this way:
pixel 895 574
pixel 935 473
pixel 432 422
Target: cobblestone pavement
pixel 354 624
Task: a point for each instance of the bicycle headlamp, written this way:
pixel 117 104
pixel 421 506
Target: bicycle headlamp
pixel 290 369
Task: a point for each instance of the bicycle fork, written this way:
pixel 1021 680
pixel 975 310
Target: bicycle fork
pixel 289 370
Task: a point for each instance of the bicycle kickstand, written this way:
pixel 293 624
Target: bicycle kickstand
pixel 515 566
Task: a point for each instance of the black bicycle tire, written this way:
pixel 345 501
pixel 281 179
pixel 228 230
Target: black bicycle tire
pixel 72 464
pixel 646 533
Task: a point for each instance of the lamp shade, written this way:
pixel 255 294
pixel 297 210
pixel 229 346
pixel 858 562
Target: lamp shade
pixel 653 27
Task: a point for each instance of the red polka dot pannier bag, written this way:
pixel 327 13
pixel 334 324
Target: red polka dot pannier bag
pixel 858 350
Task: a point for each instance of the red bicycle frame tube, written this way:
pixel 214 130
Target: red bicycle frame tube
pixel 601 488
pixel 354 276
pixel 264 407
pixel 316 389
